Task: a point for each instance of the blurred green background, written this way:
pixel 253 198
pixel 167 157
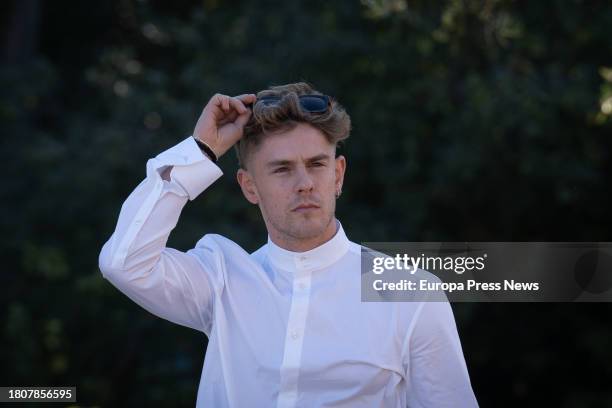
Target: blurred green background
pixel 473 120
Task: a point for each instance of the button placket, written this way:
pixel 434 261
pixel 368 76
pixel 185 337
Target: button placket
pixel 300 262
pixel 301 282
pixel 296 324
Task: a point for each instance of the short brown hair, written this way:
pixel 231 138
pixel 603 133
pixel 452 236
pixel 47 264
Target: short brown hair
pixel 335 124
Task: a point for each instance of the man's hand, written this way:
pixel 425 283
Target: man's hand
pixel 222 121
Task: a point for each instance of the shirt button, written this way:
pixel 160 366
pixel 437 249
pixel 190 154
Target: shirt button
pixel 302 286
pixel 302 258
pixel 294 335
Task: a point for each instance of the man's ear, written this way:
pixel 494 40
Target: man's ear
pixel 340 169
pixel 245 179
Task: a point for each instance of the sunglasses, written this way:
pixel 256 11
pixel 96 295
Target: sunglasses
pixel 308 103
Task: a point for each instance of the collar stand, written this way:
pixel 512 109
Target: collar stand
pixel 316 258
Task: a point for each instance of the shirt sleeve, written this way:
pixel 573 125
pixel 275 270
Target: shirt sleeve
pixel 171 284
pixel 435 367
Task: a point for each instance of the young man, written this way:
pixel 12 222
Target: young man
pixel 286 325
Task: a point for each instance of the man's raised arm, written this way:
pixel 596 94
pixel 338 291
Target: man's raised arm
pixel 171 284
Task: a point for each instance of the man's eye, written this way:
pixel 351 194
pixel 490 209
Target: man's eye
pixel 317 164
pixel 281 169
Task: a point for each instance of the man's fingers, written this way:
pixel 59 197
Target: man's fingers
pixel 231 108
pixel 229 118
pixel 247 98
pixel 238 105
pixel 220 103
pixel 242 120
pixel 227 103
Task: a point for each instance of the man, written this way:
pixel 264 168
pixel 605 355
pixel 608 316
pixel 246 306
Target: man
pixel 285 324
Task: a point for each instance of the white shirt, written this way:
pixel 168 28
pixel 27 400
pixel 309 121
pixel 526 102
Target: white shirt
pixel 285 329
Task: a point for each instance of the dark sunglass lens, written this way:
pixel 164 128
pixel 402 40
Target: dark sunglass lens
pixel 314 103
pixel 309 103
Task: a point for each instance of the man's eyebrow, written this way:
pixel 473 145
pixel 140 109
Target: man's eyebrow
pixel 284 162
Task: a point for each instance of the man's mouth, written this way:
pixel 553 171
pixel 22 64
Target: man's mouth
pixel 305 207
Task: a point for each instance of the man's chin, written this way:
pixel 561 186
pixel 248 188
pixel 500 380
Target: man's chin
pixel 308 230
pixel 309 227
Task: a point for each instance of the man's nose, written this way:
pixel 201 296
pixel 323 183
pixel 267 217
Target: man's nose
pixel 305 181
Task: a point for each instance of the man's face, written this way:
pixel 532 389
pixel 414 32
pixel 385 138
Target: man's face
pixel 293 177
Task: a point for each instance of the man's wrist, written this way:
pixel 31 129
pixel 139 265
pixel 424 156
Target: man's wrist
pixel 206 149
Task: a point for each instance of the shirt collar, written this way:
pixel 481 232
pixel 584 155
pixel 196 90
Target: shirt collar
pixel 316 258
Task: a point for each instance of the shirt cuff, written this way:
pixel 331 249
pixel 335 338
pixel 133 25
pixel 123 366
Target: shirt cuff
pixel 191 168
